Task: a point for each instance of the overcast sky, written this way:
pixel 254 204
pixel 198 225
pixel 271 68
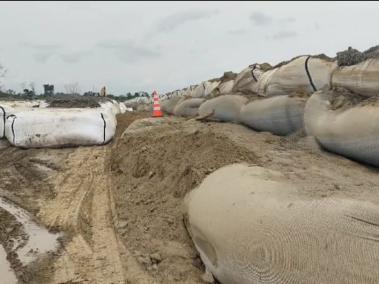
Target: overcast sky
pixel 139 46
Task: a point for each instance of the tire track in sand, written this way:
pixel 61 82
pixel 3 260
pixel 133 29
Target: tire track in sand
pixel 93 259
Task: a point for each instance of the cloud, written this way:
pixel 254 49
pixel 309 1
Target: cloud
pixel 237 32
pixel 41 46
pixel 42 52
pixel 260 19
pixel 129 51
pixel 74 57
pixel 284 35
pixel 43 57
pixel 175 20
pixel 288 20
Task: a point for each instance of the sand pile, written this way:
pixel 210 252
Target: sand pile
pixel 154 165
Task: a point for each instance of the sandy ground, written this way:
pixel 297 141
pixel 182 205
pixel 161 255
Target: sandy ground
pixel 119 206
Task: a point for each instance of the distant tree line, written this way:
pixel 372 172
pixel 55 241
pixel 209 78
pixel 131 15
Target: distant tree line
pixel 121 98
pixel 30 94
pixel 28 91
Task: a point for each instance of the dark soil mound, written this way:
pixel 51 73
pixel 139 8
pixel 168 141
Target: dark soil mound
pixel 353 56
pixel 73 101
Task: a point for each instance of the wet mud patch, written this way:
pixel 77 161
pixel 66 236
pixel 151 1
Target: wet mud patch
pixel 27 245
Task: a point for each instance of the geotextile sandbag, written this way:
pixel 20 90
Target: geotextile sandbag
pixel 225 87
pixel 362 78
pixel 350 131
pixel 252 225
pixel 304 74
pixel 223 108
pixel 246 80
pixel 5 110
pixel 168 105
pixel 188 107
pixel 198 91
pixel 210 87
pixel 60 127
pixel 2 121
pixel 123 108
pixel 280 115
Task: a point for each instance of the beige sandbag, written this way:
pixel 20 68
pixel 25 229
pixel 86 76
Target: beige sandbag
pixel 210 87
pixel 362 78
pixel 225 87
pixel 223 108
pixel 144 107
pixel 198 92
pixel 352 132
pixel 188 107
pixel 246 81
pixel 168 105
pixel 304 74
pixel 279 115
pixel 251 225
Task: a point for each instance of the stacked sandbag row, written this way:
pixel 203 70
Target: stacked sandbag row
pixel 287 88
pixel 280 115
pixel 252 225
pixel 302 75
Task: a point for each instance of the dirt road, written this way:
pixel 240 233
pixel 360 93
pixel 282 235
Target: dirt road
pixel 69 190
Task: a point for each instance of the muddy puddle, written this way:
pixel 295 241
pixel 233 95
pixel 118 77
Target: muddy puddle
pixel 38 239
pixel 7 275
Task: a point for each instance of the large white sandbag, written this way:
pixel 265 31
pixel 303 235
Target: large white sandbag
pixel 60 127
pixel 251 225
pixel 123 108
pixel 304 74
pixel 263 82
pixel 187 92
pixel 210 87
pixel 362 78
pixel 198 92
pixel 116 107
pixel 2 121
pixel 246 81
pixel 188 108
pixel 113 106
pixel 223 108
pixel 168 106
pixel 279 115
pixel 225 87
pixel 5 110
pixel 352 132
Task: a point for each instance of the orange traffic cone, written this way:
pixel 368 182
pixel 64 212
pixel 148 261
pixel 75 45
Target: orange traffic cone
pixel 157 107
